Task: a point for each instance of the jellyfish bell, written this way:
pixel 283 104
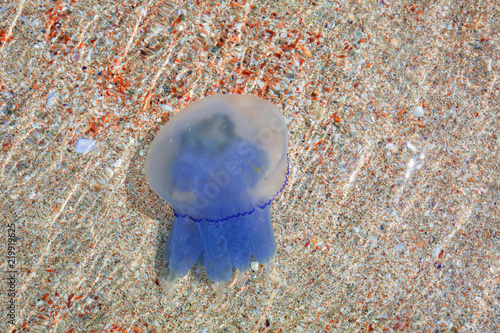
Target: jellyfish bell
pixel 229 132
pixel 219 162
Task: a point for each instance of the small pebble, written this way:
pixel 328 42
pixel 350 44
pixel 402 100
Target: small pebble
pixel 165 107
pixel 117 163
pixel 399 247
pixel 418 111
pixel 84 146
pixel 391 146
pixel 436 251
pixel 254 265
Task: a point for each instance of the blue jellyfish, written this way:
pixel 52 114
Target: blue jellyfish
pixel 219 162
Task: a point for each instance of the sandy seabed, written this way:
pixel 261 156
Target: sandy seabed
pixel 390 218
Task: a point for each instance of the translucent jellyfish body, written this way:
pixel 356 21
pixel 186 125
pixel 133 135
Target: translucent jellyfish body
pixel 219 162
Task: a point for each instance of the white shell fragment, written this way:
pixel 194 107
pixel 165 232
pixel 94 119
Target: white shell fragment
pixel 51 99
pixel 411 146
pixel 84 146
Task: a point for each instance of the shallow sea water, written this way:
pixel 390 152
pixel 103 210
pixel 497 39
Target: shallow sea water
pixel 389 221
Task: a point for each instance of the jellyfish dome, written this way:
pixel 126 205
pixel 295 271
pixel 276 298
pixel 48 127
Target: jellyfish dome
pixel 219 162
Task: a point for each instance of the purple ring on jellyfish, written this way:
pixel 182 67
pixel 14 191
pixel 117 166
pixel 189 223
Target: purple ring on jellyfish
pixel 219 163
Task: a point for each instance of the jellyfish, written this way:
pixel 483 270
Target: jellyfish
pixel 219 163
